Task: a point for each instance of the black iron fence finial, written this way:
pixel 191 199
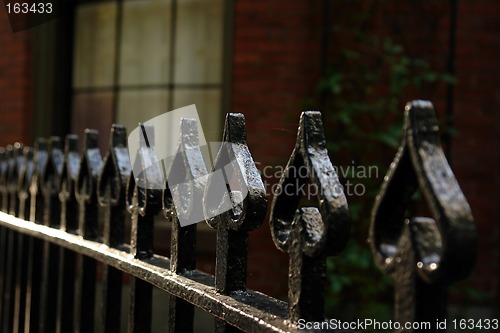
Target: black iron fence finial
pixel 309 234
pixel 423 255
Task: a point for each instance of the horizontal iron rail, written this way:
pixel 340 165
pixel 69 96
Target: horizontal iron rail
pixel 250 310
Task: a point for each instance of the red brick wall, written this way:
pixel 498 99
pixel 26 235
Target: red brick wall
pixel 16 84
pixel 476 150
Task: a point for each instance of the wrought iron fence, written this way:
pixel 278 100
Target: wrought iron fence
pixel 50 241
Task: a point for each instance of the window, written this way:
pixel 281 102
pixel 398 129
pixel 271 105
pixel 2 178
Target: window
pixel 136 59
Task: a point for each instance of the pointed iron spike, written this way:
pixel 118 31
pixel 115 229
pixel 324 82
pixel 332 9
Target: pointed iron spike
pixel 116 165
pixel 235 211
pixel 90 167
pixel 41 143
pixel 28 152
pixel 310 152
pixel 72 157
pixel 71 143
pixel 90 139
pixel 9 151
pixel 422 255
pixel 186 179
pixel 441 190
pixel 55 142
pixel 25 174
pixel 56 154
pixel 235 157
pixel 118 138
pixel 235 128
pixel 309 234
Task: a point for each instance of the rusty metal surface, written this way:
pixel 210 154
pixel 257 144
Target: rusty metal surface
pixel 309 234
pixel 422 255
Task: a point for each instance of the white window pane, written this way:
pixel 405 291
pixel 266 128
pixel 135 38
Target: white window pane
pixel 199 32
pixel 208 105
pixel 94 45
pixel 144 57
pixel 138 106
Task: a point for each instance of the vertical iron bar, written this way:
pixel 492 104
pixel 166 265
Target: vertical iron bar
pixel 35 245
pixel 182 256
pixel 69 223
pixel 9 280
pixel 183 239
pixel 230 267
pixel 85 192
pixel 14 165
pixel 144 202
pixel 66 294
pixel 141 297
pixel 309 234
pixel 240 174
pixel 23 169
pixel 21 283
pixel 13 177
pixel 52 214
pixel 423 255
pixel 306 278
pixel 111 307
pixel 25 178
pixel 232 255
pixel 141 292
pixel 111 194
pixel 414 299
pixel 31 322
